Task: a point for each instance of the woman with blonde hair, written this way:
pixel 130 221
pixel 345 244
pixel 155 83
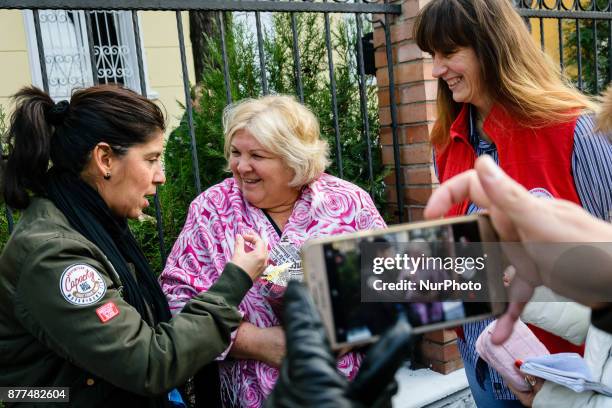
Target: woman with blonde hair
pixel 500 95
pixel 279 190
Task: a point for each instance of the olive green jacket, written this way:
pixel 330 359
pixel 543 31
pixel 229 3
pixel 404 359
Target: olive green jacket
pixel 45 340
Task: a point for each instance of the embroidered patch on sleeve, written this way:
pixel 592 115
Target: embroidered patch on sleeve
pixel 540 192
pixel 82 285
pixel 107 311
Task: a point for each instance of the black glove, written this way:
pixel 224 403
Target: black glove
pixel 308 376
pixel 375 382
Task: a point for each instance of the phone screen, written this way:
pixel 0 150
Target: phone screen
pixel 356 320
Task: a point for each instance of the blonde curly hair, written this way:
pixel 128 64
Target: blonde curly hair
pixel 286 128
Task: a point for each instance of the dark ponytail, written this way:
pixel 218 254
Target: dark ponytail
pixel 63 134
pixel 29 141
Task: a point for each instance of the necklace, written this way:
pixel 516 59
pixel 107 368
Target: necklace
pixel 286 208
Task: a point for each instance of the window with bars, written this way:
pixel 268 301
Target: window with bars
pixel 68 49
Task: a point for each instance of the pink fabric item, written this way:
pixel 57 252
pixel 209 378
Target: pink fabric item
pixel 328 206
pixel 521 345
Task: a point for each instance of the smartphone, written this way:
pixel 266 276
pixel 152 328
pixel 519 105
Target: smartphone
pixel 439 273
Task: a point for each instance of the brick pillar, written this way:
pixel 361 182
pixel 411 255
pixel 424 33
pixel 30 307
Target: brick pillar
pixel 415 95
pixel 439 351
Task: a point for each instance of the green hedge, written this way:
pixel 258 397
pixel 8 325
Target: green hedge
pixel 4 233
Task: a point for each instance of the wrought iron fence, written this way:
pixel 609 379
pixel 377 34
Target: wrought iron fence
pixel 583 37
pixel 104 60
pixel 576 21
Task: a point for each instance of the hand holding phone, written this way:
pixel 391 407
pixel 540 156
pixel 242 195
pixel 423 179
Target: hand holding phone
pixel 439 273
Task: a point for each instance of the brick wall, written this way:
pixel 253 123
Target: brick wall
pixel 415 95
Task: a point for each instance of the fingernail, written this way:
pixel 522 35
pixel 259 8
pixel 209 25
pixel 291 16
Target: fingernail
pixel 492 172
pixel 518 363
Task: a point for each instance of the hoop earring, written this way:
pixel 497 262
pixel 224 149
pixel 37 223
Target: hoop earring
pixel 107 176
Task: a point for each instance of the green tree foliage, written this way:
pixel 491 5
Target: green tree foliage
pixel 4 222
pixel 591 50
pixel 317 92
pixel 243 63
pixel 210 100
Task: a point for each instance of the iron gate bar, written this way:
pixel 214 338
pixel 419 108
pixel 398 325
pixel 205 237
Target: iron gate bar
pixel 106 77
pixel 107 26
pixel 226 75
pixel 332 83
pixel 399 180
pixel 113 17
pixel 262 55
pixel 363 100
pixel 597 15
pixel 579 53
pixel 188 104
pixel 143 92
pixel 596 67
pixel 92 54
pixel 212 5
pixel 560 31
pixel 297 67
pixel 41 51
pixel 542 33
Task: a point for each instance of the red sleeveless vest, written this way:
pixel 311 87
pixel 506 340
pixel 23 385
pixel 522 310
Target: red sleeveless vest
pixel 540 159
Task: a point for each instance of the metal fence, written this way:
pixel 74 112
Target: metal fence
pixel 90 8
pixel 575 21
pixel 581 31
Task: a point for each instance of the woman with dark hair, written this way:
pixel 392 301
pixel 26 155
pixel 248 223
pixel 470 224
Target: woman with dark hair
pixel 79 305
pixel 500 95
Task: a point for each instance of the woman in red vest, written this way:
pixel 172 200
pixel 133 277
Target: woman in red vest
pixel 498 94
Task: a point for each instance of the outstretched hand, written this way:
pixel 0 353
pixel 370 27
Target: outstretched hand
pixel 253 262
pixel 518 216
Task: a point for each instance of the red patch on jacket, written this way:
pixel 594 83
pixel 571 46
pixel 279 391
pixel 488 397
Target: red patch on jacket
pixel 107 312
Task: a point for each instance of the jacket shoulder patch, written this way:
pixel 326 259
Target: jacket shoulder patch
pixel 107 311
pixel 540 192
pixel 82 285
